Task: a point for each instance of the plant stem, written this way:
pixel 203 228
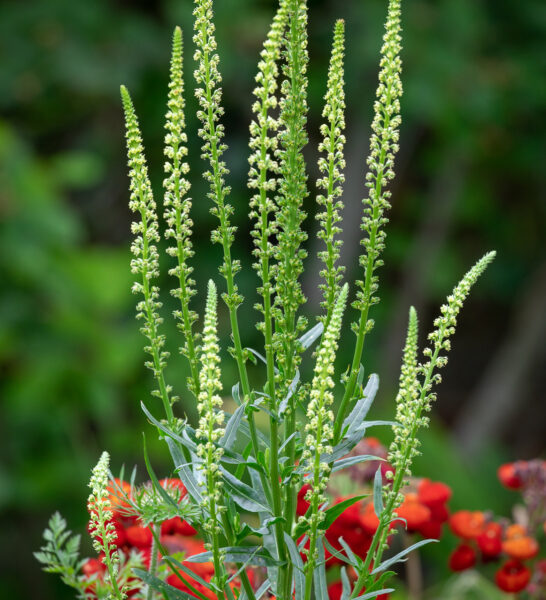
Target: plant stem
pixel 153 558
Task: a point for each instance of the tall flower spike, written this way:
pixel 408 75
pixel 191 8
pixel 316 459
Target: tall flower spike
pixel 331 165
pixel 145 260
pixel 210 430
pixel 177 208
pixel 101 526
pixel 212 133
pixel 319 429
pixel 263 166
pixel 383 148
pixel 292 190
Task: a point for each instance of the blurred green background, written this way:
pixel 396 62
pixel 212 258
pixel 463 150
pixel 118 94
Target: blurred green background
pixel 470 178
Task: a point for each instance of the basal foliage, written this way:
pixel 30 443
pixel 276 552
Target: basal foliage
pixel 229 468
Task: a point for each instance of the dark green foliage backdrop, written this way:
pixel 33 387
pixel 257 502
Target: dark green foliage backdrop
pixel 470 178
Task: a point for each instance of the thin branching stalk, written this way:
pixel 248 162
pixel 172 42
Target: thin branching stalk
pixel 177 209
pixel 331 164
pixel 145 260
pixel 383 148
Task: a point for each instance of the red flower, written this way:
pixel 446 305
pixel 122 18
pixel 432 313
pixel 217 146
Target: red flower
pixel 302 505
pixel 177 525
pixel 508 476
pixel 432 493
pixel 348 526
pixel 334 590
pixel 489 540
pixel 431 530
pixel 171 482
pixel 463 557
pixel 513 576
pixel 93 566
pixel 467 525
pixel 139 537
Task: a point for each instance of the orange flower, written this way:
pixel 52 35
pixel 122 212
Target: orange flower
pixel 414 513
pixel 463 557
pixel 513 576
pixel 466 524
pixel 522 548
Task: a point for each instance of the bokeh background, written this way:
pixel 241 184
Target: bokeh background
pixel 470 178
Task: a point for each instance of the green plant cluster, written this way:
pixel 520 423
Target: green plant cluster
pixel 224 475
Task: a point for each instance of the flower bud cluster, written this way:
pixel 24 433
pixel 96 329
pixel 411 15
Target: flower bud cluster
pixel 211 417
pixel 209 95
pixel 331 165
pixel 146 259
pixel 320 418
pixel 264 144
pixel 178 206
pixel 383 148
pixel 101 526
pixel 292 189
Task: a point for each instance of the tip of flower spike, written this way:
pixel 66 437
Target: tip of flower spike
pixel 211 292
pixel 126 98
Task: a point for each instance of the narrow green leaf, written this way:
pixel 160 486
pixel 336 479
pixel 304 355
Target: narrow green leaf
pixel 253 555
pixel 245 496
pixel 153 478
pixel 374 594
pixel 310 336
pixel 299 577
pixel 343 463
pixel 378 492
pixel 319 573
pixel 400 556
pixel 157 584
pixel 185 472
pixel 361 408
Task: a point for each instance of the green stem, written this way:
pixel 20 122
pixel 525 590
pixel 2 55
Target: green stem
pixel 348 396
pixel 184 296
pixel 153 559
pixel 156 352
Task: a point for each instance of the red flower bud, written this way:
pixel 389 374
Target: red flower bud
pixel 508 477
pixel 489 540
pixel 463 557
